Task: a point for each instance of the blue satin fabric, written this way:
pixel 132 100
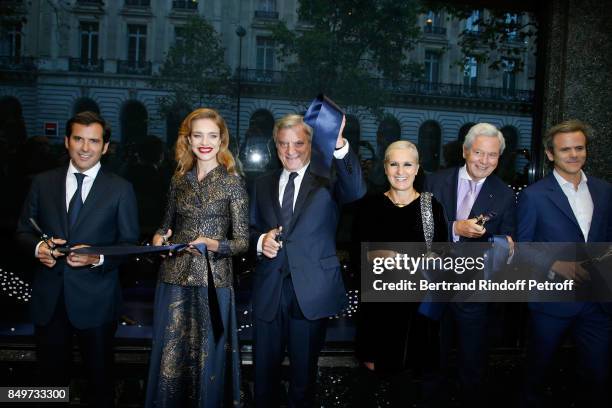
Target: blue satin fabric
pixel 325 118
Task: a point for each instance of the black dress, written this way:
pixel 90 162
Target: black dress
pixel 395 336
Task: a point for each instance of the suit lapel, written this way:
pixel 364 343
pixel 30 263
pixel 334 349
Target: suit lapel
pixel 306 188
pixel 558 198
pixel 60 200
pixel 274 197
pixel 95 196
pixel 598 203
pixel 484 200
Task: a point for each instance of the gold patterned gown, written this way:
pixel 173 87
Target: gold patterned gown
pixel 188 368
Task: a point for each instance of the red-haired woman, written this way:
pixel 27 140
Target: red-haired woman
pixel 207 203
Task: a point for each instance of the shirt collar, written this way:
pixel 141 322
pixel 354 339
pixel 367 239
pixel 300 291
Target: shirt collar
pixel 300 172
pixel 92 172
pixel 464 175
pixel 563 182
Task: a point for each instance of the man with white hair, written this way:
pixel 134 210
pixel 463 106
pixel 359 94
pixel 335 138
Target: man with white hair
pixel 467 192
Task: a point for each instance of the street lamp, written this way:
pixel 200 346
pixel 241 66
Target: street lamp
pixel 240 32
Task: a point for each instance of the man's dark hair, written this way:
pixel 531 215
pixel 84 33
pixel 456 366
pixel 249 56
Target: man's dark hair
pixel 88 118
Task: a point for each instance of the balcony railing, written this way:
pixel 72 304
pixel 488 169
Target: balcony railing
pixel 14 63
pixel 269 15
pixel 264 77
pixel 85 65
pixel 430 29
pixel 138 3
pixel 184 5
pixel 455 90
pixel 134 67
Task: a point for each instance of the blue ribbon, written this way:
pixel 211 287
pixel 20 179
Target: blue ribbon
pixel 325 118
pixel 119 250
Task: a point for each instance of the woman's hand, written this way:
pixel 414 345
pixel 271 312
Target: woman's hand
pixel 211 245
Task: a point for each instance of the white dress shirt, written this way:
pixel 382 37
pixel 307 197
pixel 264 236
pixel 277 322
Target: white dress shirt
pixel 284 178
pixel 579 200
pixel 71 187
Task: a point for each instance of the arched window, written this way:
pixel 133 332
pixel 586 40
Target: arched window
pixel 134 122
pixel 506 168
pixel 12 125
pixel 258 152
pixel 85 104
pixel 430 139
pixel 464 131
pixel 352 131
pixel 388 132
pixel 173 123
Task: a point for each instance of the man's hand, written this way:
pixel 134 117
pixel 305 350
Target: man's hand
pixel 510 245
pixel 269 245
pixel 78 260
pixel 571 270
pixel 340 141
pixel 469 228
pixel 159 240
pixel 47 254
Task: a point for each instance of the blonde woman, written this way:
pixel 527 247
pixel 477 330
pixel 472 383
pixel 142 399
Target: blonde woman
pixel 207 203
pixel 394 337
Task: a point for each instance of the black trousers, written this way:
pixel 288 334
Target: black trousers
pixel 54 353
pixel 302 338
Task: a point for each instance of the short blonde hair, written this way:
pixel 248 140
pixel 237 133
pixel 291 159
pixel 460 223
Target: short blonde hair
pixel 401 145
pixel 289 121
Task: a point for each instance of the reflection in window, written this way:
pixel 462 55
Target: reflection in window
pixel 137 44
pixel 511 20
pixel 470 73
pixel 508 77
pixel 265 54
pixel 89 43
pixel 432 69
pixel 11 42
pixel 430 139
pixel 471 24
pixel 258 150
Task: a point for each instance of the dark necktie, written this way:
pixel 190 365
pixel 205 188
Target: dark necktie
pixel 76 202
pixel 287 203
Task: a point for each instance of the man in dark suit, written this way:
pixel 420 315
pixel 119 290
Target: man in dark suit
pixel 79 205
pixel 566 206
pixel 297 283
pixel 465 193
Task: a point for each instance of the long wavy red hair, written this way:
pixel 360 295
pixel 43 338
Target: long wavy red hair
pixel 184 156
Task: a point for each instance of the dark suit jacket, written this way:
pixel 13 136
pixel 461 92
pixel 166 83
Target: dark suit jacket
pixel 545 215
pixel 309 245
pixel 109 216
pixel 495 196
